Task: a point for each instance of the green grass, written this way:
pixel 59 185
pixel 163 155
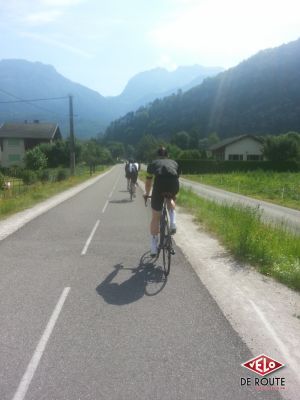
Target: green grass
pixel 273 250
pixel 282 188
pixel 41 191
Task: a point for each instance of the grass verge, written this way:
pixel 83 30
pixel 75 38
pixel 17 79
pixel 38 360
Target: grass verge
pixel 281 188
pixel 273 250
pixel 42 191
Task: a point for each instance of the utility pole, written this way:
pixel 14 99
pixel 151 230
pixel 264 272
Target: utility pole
pixel 72 140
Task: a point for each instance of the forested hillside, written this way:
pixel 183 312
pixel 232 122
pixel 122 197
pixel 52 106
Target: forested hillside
pixel 260 96
pixel 21 79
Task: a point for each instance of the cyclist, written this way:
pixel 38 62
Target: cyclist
pixel 166 184
pixel 133 171
pixel 127 175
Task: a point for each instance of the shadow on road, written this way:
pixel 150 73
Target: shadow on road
pixel 123 201
pixel 146 279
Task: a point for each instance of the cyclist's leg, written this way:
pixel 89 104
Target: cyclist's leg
pixel 134 180
pixel 156 204
pixel 154 226
pixel 174 188
pixel 171 207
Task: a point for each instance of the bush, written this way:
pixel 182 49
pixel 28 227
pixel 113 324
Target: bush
pixel 2 180
pixel 29 177
pixel 35 159
pixel 44 175
pixel 61 175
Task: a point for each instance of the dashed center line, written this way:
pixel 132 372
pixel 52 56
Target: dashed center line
pixel 104 208
pixel 34 362
pixel 90 238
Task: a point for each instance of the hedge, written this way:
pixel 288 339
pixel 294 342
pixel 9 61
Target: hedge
pixel 212 166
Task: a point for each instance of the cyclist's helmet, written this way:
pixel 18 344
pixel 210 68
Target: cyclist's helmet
pixel 162 152
pixel 131 160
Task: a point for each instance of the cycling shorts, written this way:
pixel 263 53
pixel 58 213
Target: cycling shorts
pixel 162 185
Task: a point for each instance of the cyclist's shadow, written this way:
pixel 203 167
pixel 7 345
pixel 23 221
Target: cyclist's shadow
pixel 147 279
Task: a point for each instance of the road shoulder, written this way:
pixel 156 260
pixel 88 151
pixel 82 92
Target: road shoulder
pixel 262 311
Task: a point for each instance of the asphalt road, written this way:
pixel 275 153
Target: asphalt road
pixel 86 316
pixel 271 213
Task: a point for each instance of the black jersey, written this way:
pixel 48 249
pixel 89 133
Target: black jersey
pixel 163 167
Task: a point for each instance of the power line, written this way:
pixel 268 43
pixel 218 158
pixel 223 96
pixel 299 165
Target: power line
pixel 30 101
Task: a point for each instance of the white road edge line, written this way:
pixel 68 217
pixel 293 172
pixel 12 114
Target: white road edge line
pixel 115 185
pixel 90 238
pixel 34 362
pixel 104 208
pixel 283 349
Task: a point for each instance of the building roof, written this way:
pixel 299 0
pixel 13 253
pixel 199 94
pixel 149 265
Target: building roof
pixel 29 131
pixel 226 142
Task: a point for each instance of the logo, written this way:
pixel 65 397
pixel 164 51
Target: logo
pixel 262 365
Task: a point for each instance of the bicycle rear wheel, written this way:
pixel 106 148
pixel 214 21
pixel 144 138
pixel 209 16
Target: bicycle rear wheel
pixel 131 191
pixel 167 258
pixel 165 242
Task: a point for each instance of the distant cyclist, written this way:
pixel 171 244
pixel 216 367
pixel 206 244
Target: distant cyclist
pixel 127 175
pixel 133 171
pixel 166 184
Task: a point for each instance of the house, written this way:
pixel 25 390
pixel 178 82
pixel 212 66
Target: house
pixel 239 148
pixel 16 139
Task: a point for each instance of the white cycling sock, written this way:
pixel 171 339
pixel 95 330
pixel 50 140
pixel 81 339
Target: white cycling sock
pixel 172 214
pixel 154 240
pixel 154 244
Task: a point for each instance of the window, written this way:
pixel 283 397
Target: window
pixel 235 157
pixel 13 142
pixel 14 157
pixel 254 157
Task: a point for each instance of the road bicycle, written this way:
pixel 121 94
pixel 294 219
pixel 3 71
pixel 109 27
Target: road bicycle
pixel 131 190
pixel 165 245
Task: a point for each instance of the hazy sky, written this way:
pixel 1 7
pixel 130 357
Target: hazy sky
pixel 103 43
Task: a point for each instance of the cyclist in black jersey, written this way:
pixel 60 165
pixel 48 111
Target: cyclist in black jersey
pixel 166 184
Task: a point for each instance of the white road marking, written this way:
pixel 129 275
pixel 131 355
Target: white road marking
pixel 283 349
pixel 34 362
pixel 115 185
pixel 90 238
pixel 104 208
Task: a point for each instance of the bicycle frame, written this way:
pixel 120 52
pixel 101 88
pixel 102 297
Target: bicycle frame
pixel 165 239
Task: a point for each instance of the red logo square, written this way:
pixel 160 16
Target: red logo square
pixel 262 365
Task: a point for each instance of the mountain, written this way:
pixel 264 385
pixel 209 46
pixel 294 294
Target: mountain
pixel 259 96
pixel 20 79
pixel 27 80
pixel 158 83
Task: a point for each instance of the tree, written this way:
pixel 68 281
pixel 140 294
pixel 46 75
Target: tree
pixel 117 149
pixel 284 147
pixel 146 148
pixel 94 154
pixel 190 155
pixel 181 139
pixel 213 138
pixel 35 159
pixel 173 151
pixel 57 153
